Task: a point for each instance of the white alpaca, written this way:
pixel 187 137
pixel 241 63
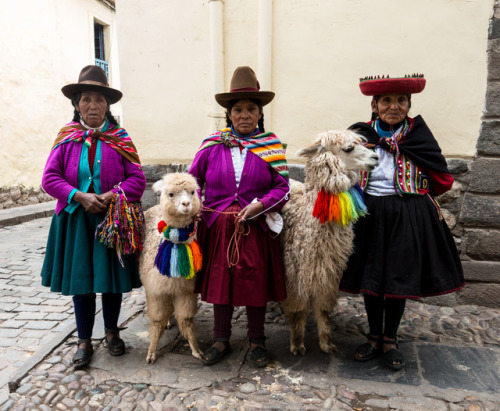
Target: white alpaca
pixel 179 205
pixel 315 255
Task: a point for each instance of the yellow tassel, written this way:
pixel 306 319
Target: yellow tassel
pixel 345 207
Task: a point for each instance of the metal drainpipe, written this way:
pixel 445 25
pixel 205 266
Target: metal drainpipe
pixel 216 11
pixel 265 53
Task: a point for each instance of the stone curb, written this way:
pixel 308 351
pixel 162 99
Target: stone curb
pixel 18 215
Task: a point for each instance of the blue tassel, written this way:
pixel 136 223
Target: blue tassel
pixel 174 262
pixel 357 196
pixel 162 260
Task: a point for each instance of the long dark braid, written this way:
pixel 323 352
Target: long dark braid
pixel 76 114
pixel 260 124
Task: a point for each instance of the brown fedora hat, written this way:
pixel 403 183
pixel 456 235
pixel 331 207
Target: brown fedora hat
pixel 244 84
pixel 92 78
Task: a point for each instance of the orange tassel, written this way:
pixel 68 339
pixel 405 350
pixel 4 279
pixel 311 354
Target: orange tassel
pixel 336 208
pixel 197 256
pixel 331 200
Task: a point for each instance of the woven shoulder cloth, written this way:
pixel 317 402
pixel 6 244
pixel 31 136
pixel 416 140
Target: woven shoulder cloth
pixel 392 143
pixel 265 145
pixel 115 137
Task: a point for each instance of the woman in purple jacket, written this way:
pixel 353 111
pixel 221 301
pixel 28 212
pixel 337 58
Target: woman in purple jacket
pixel 244 174
pixel 91 160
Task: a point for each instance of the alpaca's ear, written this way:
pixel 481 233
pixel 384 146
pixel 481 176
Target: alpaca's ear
pixel 158 186
pixel 311 150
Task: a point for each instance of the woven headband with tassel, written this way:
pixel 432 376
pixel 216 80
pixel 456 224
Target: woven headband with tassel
pixel 175 257
pixel 342 208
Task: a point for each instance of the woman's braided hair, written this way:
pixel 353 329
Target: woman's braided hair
pixel 253 100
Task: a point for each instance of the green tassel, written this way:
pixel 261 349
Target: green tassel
pixel 184 265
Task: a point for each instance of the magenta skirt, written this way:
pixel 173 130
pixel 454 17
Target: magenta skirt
pixel 257 278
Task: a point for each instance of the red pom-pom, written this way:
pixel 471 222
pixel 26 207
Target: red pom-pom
pixel 161 226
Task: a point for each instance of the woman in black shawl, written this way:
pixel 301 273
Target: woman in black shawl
pixel 403 248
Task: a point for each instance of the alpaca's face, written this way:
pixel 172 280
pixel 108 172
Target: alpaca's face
pixel 356 157
pixel 334 159
pixel 179 196
pixel 346 146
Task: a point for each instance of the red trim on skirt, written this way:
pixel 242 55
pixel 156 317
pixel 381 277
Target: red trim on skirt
pixel 259 276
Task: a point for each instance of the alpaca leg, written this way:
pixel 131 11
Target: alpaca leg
pixel 297 324
pixel 322 315
pixel 185 310
pixel 159 310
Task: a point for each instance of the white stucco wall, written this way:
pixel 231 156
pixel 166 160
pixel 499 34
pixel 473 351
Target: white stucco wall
pixel 45 44
pixel 320 49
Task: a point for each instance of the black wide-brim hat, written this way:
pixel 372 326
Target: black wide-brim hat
pixel 93 78
pixel 376 85
pixel 244 85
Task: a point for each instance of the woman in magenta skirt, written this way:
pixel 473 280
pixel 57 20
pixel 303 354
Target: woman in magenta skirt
pixel 244 178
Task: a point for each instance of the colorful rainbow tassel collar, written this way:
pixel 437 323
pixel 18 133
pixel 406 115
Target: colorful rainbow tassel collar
pixel 343 208
pixel 179 254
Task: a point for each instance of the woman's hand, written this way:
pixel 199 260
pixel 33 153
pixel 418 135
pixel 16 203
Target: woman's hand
pixel 251 210
pixel 106 198
pixel 90 202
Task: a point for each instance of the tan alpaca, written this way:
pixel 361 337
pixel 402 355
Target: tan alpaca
pixel 179 204
pixel 315 255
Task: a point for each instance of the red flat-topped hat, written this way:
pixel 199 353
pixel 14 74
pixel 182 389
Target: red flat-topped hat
pixel 376 85
pixel 244 84
pixel 92 78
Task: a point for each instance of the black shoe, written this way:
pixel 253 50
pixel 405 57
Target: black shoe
pixel 83 355
pixel 366 351
pixel 116 346
pixel 393 358
pixel 212 355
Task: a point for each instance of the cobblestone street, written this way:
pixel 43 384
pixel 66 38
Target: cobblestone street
pixel 453 355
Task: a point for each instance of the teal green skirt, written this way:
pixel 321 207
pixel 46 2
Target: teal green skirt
pixel 76 263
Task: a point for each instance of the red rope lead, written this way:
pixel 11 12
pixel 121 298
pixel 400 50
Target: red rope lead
pixel 233 252
pixel 240 229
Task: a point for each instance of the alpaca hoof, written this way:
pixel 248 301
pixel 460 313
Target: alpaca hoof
pixel 197 354
pixel 151 358
pixel 329 348
pixel 298 350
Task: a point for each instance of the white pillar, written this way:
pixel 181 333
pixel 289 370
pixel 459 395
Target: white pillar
pixel 216 11
pixel 265 53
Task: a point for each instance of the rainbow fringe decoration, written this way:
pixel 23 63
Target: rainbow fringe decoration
pixel 343 208
pixel 123 226
pixel 175 257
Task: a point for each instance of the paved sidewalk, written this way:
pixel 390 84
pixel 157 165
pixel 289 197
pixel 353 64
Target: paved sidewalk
pixel 18 215
pixel 453 355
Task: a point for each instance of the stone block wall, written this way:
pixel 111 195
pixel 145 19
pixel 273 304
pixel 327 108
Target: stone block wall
pixel 20 196
pixel 479 216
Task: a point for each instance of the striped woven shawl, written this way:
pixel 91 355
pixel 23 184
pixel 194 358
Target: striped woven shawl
pixel 265 145
pixel 115 137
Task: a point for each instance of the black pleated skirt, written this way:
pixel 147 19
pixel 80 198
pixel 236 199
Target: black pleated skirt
pixel 403 250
